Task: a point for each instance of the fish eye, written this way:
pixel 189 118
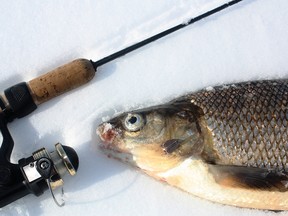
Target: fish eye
pixel 133 122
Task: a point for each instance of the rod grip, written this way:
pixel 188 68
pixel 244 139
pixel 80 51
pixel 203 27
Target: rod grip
pixel 61 80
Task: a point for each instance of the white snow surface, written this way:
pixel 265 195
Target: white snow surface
pixel 248 41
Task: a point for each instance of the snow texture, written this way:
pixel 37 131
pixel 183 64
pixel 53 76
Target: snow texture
pixel 245 42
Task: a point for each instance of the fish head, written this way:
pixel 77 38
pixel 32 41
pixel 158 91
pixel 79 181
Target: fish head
pixel 153 139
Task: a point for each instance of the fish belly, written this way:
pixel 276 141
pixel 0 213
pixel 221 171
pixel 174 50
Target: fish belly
pixel 194 176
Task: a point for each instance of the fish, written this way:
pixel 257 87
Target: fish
pixel 227 144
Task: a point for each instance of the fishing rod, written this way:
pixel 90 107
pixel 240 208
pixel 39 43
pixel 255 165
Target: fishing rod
pixel 44 170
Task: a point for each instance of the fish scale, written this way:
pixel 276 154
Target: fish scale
pixel 248 122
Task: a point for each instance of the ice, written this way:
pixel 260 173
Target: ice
pixel 245 42
pixel 210 88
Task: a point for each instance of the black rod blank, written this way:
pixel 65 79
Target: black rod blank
pixel 161 34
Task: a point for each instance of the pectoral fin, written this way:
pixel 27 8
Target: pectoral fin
pixel 171 145
pixel 249 177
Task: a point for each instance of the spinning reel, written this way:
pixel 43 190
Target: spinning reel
pixel 39 172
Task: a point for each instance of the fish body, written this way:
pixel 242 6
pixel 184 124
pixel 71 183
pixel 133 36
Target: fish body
pixel 227 144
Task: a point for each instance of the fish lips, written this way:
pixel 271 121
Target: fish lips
pixel 111 145
pixel 107 133
pixel 110 137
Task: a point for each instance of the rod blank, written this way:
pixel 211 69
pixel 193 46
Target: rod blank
pixel 162 34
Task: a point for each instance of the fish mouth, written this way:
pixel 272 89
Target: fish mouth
pixel 108 135
pixel 110 146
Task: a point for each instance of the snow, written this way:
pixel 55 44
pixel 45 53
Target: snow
pixel 245 42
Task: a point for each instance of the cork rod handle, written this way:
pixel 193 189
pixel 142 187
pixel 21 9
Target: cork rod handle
pixel 61 80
